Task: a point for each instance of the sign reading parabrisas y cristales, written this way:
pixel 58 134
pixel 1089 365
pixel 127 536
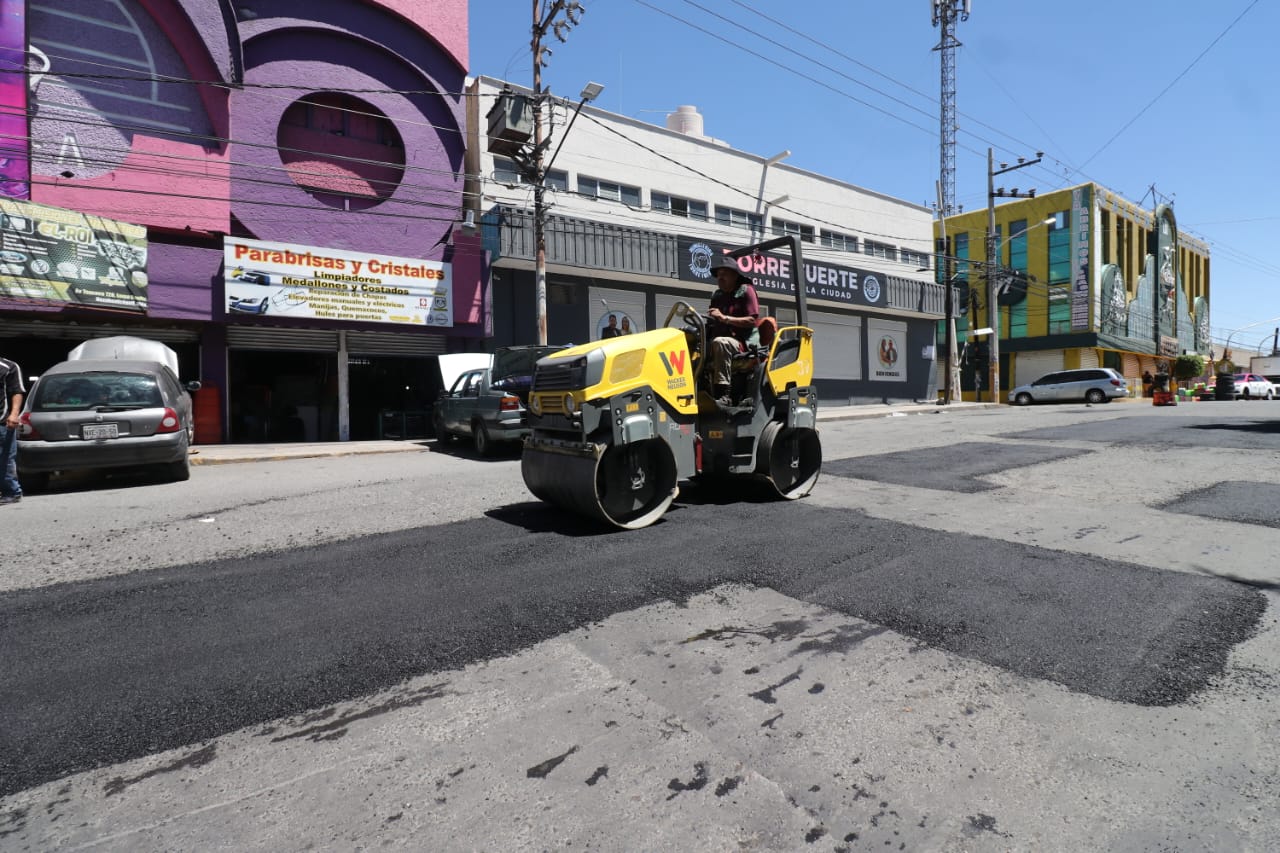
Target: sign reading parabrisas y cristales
pixel 335 284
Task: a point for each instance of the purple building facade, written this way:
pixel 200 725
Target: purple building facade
pixel 274 189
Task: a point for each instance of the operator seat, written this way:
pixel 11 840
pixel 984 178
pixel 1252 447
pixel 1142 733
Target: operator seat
pixel 748 365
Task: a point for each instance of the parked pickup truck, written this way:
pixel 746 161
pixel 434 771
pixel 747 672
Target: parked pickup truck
pixel 487 403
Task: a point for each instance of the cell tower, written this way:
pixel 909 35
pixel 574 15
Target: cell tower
pixel 945 14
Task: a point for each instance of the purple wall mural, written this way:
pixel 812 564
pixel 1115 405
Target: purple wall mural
pixel 119 128
pixel 14 166
pixel 320 124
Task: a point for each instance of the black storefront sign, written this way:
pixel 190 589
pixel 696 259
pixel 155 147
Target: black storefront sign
pixel 771 274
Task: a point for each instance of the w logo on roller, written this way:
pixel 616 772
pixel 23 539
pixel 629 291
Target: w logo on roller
pixel 674 361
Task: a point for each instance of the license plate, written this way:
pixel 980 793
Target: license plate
pixel 96 431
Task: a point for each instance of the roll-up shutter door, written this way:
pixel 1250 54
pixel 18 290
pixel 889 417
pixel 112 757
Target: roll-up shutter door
pixel 393 343
pixel 837 345
pixel 1030 366
pixel 85 331
pixel 1132 367
pixel 1089 358
pixel 267 338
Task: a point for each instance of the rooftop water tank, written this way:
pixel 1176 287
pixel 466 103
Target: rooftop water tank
pixel 686 119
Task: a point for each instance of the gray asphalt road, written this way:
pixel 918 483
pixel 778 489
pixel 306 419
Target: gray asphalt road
pixel 119 678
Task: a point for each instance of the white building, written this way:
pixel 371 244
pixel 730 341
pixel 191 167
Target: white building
pixel 632 207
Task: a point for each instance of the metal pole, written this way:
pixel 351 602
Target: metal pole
pixel 993 309
pixel 948 281
pixel 539 212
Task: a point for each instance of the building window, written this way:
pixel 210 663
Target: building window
pixel 676 206
pixel 836 240
pixel 556 180
pixel 880 250
pixel 505 171
pixel 1018 245
pixel 343 151
pixel 1107 257
pixel 783 227
pixel 960 245
pixel 1018 320
pixel 1060 250
pixel 919 260
pixel 596 188
pixel 739 218
pixel 1059 311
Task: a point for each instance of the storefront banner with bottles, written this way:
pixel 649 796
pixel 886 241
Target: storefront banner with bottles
pixel 268 278
pixel 49 254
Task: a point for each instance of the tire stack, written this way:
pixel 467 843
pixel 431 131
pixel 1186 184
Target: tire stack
pixel 1225 388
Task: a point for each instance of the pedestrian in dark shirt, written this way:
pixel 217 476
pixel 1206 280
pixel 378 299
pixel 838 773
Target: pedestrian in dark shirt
pixel 10 408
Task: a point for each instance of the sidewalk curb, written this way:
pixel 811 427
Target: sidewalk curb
pixel 196 459
pixel 227 454
pixel 851 413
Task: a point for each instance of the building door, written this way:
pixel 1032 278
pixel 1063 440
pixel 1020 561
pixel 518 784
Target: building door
pixel 282 396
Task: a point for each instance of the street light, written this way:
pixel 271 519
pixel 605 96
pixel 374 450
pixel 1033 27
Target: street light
pixel 1226 348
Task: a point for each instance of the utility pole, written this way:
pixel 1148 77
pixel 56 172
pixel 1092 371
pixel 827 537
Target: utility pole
pixel 945 14
pixel 992 270
pixel 948 281
pixel 559 16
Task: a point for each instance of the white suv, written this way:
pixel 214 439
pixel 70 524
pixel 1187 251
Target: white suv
pixel 1087 384
pixel 1251 386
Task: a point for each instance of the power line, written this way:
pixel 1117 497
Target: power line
pixel 460 174
pixel 1165 90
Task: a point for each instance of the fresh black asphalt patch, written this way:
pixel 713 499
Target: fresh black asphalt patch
pixel 1260 434
pixel 1246 503
pixel 953 468
pixel 103 671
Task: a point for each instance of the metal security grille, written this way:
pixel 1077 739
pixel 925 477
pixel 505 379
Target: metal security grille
pixel 395 343
pixel 83 331
pixel 265 338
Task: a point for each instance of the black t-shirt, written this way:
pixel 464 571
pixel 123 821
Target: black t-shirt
pixel 11 381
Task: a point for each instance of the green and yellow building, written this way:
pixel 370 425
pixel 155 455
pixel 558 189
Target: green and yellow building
pixel 1083 278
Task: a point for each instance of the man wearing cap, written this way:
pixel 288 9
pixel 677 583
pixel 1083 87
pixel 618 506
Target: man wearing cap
pixel 732 322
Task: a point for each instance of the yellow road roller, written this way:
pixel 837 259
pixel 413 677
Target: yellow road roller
pixel 617 424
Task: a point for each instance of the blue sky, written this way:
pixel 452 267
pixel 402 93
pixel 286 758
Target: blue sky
pixel 1180 96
